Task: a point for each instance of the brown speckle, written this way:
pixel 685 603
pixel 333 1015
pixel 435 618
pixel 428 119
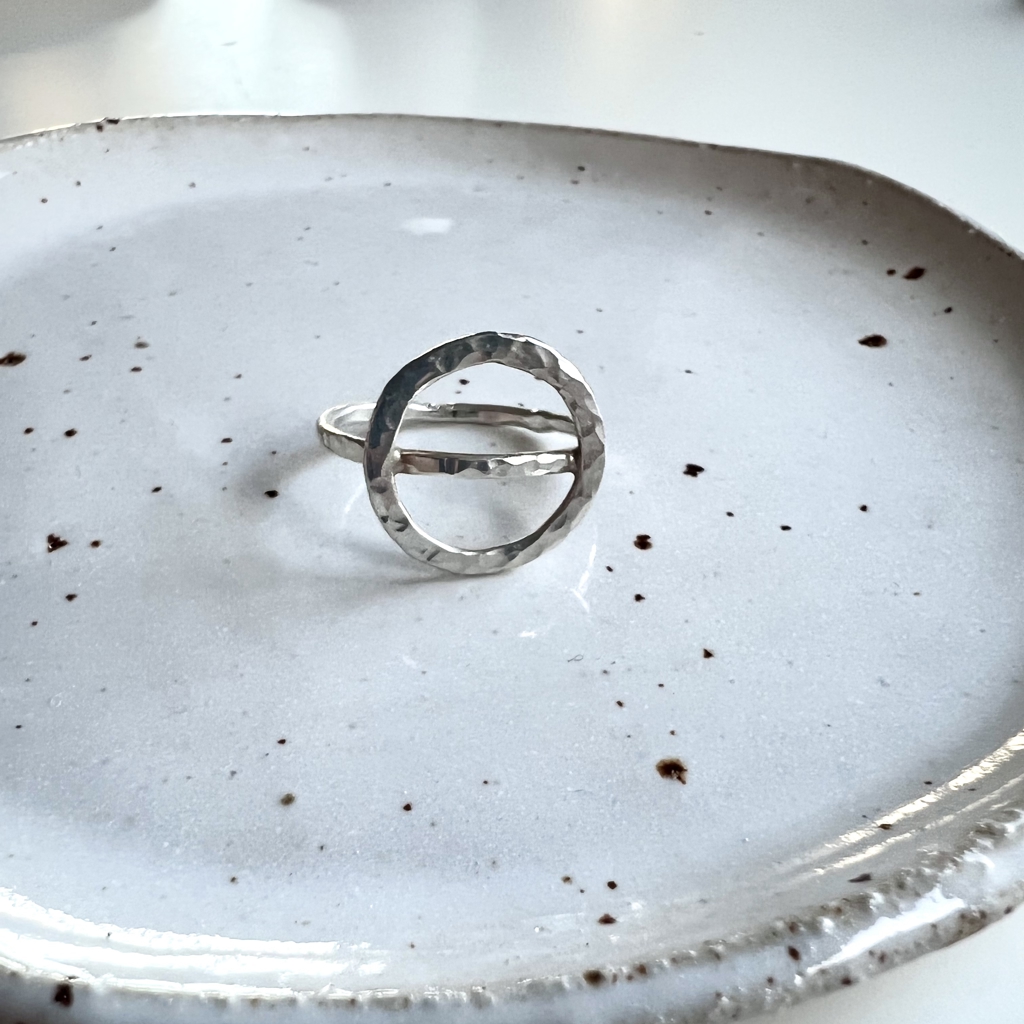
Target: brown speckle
pixel 639 597
pixel 44 200
pixel 613 885
pixel 671 768
pixel 156 490
pixel 463 381
pixel 608 567
pixel 28 430
pixel 70 597
pixel 233 879
pixel 70 433
pixel 707 213
pixel 620 704
pixel 191 184
pixel 885 825
pixel 606 919
pixel 63 994
pixel 692 469
pixel 846 980
pixel 948 309
pixel 95 543
pixel 863 508
pixel 873 341
pixel 35 622
pixel 136 369
pixel 55 543
pixel 865 877
pixel 281 742
pixel 643 542
pixel 271 494
pixel 914 273
pixel 406 807
pixel 594 978
pixel 141 344
pixel 225 440
pixel 731 515
pixel 288 798
pixel 99 127
pixel 784 527
pixel 13 359
pixel 567 879
pixel 794 953
pixel 891 272
pixel 84 359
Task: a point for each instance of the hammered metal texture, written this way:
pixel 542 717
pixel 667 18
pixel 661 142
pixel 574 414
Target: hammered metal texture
pixel 381 457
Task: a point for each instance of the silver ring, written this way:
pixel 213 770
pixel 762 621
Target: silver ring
pixel 366 432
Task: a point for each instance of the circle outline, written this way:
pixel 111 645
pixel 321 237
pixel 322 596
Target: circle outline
pixel 380 455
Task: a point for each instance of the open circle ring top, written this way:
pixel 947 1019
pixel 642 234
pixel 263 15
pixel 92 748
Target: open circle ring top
pixel 354 432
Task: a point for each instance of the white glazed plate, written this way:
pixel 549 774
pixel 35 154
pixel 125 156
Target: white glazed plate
pixel 254 757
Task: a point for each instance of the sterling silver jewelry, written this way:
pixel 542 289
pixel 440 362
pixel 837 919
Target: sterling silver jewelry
pixel 365 432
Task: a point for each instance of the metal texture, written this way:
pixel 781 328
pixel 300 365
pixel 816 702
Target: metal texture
pixel 382 459
pixel 342 430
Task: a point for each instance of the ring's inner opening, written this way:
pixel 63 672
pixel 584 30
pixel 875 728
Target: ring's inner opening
pixel 476 513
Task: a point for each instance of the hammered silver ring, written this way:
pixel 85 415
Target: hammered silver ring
pixel 366 432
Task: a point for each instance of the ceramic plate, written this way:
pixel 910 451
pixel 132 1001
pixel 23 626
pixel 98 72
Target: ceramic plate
pixel 255 758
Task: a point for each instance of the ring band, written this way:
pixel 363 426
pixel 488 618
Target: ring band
pixel 341 430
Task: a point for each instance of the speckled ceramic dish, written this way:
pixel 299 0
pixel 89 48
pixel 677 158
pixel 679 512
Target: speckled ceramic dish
pixel 256 758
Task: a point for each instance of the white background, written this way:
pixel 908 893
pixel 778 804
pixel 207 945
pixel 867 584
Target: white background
pixel 930 92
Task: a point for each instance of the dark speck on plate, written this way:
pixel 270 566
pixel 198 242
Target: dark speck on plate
pixel 136 369
pixel 406 807
pixel 794 953
pixel 708 654
pixel 156 490
pixel 865 877
pixel 225 440
pixel 606 919
pixel 594 978
pixel 948 309
pixel 873 341
pixel 612 885
pixel 282 741
pixel 70 597
pixel 692 469
pixel 885 825
pixel 28 430
pixel 639 597
pixel 863 508
pixel 288 798
pixel 64 994
pixel 13 359
pixel 891 272
pixel 141 344
pixel 785 527
pixel 643 542
pixel 271 494
pixel 70 433
pixel 95 543
pixel 55 543
pixel 914 273
pixel 671 768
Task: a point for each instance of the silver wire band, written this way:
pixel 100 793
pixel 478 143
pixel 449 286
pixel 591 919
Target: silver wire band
pixel 342 429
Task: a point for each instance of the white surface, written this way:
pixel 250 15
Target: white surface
pixel 931 94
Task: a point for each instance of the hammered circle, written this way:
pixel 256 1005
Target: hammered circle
pixel 380 457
